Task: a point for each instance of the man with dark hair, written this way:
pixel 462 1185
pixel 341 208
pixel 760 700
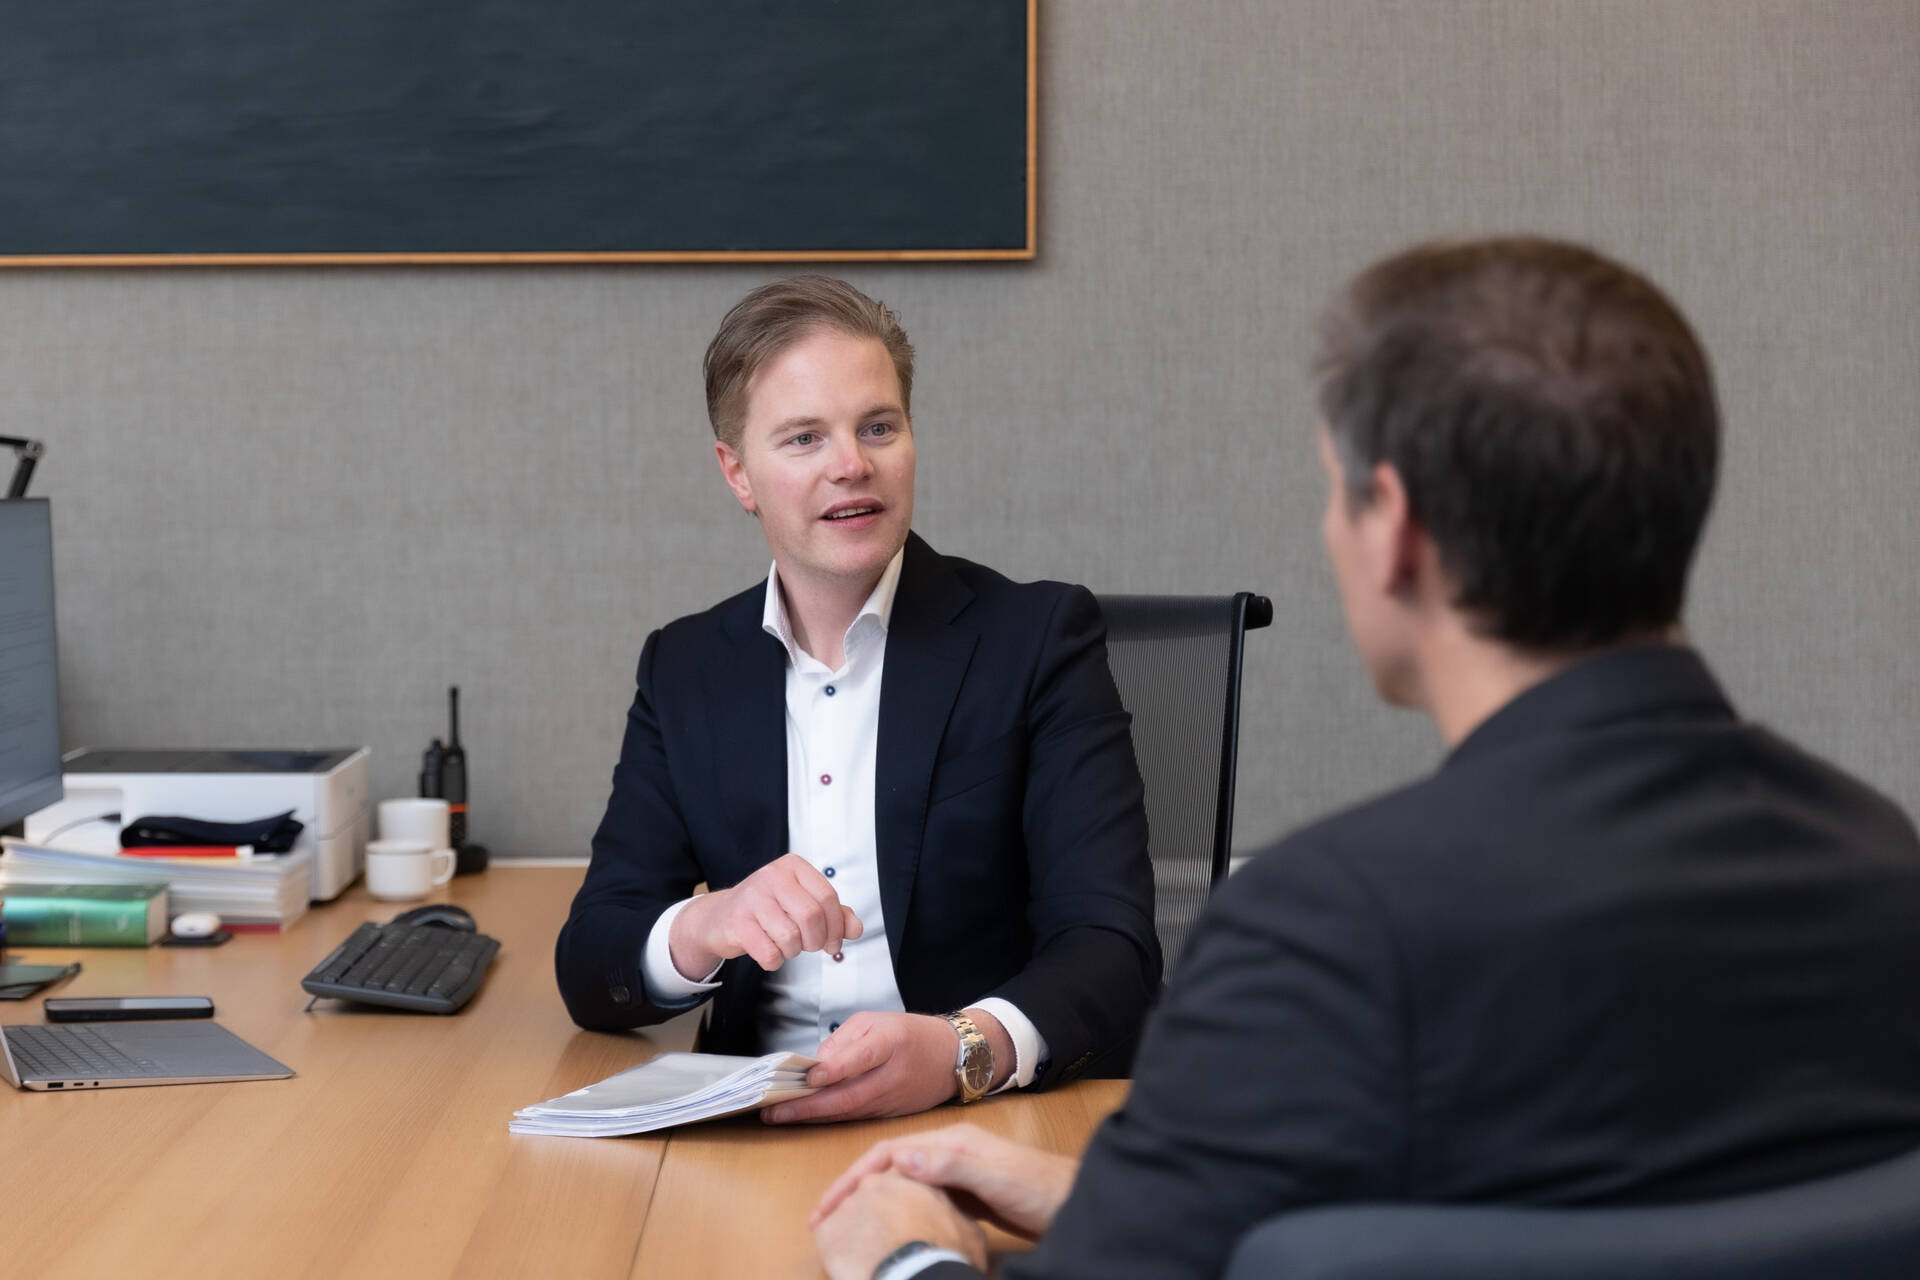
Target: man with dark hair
pixel 906 781
pixel 1552 418
pixel 1622 947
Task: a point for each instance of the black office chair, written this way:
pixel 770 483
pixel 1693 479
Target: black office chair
pixel 1177 662
pixel 1863 1225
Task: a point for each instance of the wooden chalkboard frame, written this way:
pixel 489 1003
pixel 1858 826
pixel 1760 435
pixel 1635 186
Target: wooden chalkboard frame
pixel 1026 251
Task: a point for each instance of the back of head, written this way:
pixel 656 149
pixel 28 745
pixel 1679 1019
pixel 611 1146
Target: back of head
pixel 1553 419
pixel 774 317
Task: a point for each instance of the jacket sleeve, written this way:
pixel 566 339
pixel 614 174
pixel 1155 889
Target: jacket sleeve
pixel 1272 1077
pixel 1095 968
pixel 643 862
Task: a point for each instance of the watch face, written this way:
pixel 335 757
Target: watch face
pixel 978 1071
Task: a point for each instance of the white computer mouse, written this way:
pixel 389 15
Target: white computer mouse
pixel 195 924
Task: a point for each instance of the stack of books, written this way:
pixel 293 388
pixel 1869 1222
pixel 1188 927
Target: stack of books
pixel 265 893
pixel 84 915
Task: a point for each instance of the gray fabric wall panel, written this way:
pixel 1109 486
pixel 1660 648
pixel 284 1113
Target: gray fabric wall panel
pixel 292 506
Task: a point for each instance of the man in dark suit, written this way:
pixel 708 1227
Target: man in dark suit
pixel 1622 947
pixel 906 781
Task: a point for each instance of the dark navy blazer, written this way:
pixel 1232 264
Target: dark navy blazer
pixel 1011 836
pixel 1622 948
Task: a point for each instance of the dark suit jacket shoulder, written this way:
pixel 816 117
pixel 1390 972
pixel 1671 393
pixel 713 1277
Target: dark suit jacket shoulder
pixel 1620 948
pixel 1008 811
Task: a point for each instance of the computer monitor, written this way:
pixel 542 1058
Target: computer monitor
pixel 29 666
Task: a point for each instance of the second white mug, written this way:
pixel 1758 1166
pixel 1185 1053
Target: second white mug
pixel 416 818
pixel 403 870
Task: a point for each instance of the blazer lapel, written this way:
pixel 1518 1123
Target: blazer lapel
pixel 747 678
pixel 929 645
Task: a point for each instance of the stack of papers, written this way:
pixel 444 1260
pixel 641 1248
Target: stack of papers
pixel 674 1088
pixel 271 891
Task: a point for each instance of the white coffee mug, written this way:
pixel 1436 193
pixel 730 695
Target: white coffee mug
pixel 403 870
pixel 416 818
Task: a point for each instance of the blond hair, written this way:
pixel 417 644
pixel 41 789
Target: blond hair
pixel 774 317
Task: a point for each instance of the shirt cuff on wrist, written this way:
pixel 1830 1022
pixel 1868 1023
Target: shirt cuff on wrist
pixel 914 1264
pixel 1029 1048
pixel 665 986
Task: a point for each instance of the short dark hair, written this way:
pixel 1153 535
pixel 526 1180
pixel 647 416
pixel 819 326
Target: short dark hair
pixel 774 317
pixel 1553 419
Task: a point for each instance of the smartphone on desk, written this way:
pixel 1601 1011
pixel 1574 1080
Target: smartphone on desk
pixel 125 1008
pixel 18 981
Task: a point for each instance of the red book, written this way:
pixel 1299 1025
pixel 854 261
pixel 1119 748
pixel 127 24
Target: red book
pixel 190 851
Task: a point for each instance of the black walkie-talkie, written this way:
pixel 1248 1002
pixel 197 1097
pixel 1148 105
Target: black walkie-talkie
pixel 453 774
pixel 430 770
pixel 443 775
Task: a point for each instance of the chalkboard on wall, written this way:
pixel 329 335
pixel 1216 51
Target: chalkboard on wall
pixel 272 131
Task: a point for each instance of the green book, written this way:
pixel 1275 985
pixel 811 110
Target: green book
pixel 84 915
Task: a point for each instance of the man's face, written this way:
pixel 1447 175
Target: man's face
pixel 826 459
pixel 1359 542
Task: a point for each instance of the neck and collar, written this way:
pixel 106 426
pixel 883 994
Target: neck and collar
pixel 1659 678
pixel 1462 679
pixel 819 619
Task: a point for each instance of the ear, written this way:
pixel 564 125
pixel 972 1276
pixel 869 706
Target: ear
pixel 1396 544
pixel 735 473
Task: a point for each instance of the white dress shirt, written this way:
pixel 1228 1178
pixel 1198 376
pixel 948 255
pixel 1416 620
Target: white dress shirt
pixel 833 732
pixel 925 1260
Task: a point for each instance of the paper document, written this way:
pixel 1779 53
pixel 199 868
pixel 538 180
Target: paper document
pixel 260 890
pixel 674 1088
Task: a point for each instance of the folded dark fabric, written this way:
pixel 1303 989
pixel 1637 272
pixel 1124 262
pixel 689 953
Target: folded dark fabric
pixel 273 834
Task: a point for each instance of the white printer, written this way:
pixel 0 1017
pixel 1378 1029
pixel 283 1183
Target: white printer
pixel 326 789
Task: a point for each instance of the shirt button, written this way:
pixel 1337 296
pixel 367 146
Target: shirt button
pixel 833 1027
pixel 830 691
pixel 828 873
pixel 826 779
pixel 838 957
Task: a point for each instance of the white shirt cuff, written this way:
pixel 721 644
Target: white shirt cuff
pixel 1029 1050
pixel 912 1266
pixel 665 986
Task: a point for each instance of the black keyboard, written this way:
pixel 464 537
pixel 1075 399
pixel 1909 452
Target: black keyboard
pixel 427 968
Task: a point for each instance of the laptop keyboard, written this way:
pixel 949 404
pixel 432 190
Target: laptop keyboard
pixel 423 967
pixel 72 1053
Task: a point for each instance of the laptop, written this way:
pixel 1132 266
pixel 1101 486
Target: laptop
pixel 114 1055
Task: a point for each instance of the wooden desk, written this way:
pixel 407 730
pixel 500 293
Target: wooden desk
pixel 727 1182
pixel 388 1153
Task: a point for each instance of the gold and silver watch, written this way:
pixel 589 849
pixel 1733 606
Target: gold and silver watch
pixel 973 1068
